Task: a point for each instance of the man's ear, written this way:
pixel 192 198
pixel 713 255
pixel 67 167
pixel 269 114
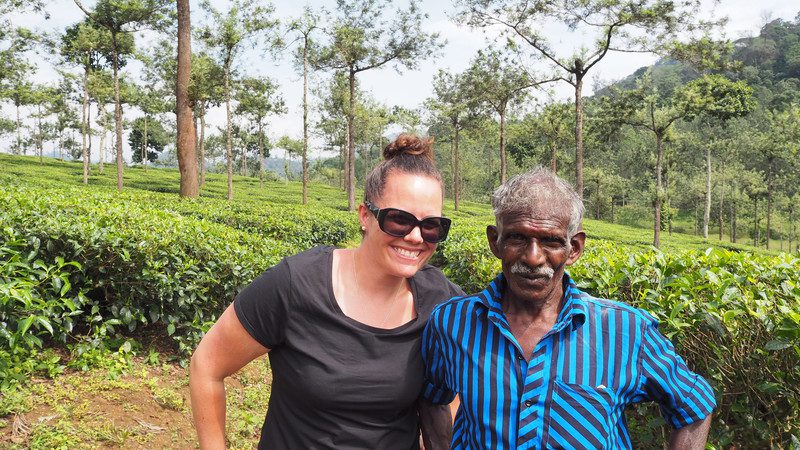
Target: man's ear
pixel 576 244
pixel 491 235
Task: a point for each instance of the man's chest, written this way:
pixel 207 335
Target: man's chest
pixel 576 383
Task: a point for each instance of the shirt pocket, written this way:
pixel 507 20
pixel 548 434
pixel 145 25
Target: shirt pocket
pixel 580 416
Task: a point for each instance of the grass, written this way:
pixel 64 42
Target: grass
pixel 147 406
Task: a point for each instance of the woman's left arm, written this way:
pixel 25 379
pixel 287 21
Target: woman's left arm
pixel 437 425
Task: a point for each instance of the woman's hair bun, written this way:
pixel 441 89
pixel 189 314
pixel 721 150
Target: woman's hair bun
pixel 409 144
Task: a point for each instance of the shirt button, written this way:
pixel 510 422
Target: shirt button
pixel 519 357
pixel 528 403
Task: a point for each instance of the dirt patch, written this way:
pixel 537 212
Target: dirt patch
pixel 148 406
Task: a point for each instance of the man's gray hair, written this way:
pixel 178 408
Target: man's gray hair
pixel 536 189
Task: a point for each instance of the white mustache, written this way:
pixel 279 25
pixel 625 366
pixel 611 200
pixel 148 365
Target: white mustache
pixel 540 271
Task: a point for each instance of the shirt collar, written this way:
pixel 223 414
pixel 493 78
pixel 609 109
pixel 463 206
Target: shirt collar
pixel 573 309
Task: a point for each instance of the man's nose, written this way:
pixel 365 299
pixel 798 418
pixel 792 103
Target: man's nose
pixel 533 256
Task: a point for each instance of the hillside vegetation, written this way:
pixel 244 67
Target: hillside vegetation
pixel 90 277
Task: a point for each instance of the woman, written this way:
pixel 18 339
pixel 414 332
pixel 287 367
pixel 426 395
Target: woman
pixel 341 326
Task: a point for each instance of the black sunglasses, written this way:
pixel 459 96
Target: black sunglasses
pixel 398 223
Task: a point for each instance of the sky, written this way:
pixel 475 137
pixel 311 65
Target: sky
pixel 410 88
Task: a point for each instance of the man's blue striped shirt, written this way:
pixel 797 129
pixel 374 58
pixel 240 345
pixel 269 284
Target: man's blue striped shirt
pixel 599 357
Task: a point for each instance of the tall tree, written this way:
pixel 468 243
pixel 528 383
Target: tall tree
pixel 332 123
pixel 206 89
pixel 608 25
pixel 258 99
pixel 244 22
pixel 121 18
pixel 101 90
pixel 776 154
pixel 364 38
pixel 542 134
pixel 15 74
pixel 44 98
pixel 151 99
pixel 646 108
pixel 715 99
pixel 304 27
pixel 500 83
pixel 88 45
pixel 187 158
pixel 455 102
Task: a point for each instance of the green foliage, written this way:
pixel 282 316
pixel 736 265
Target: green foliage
pixel 141 258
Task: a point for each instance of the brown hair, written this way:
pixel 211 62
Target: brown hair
pixel 409 154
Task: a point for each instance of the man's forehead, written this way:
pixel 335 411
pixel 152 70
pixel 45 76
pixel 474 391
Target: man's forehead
pixel 550 213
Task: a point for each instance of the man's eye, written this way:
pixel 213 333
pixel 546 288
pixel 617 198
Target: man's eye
pixel 552 242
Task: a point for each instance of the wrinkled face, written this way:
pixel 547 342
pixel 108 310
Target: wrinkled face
pixel 535 249
pixel 402 256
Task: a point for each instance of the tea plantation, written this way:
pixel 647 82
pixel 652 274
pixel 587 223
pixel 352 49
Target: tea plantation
pixel 91 272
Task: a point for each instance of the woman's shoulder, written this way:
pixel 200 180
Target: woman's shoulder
pixel 311 256
pixel 431 281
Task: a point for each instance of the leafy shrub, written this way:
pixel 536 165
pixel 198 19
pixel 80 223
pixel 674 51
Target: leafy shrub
pixel 139 265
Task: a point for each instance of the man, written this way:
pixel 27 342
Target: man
pixel 539 364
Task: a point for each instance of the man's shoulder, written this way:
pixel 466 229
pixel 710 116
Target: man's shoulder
pixel 603 306
pixel 460 305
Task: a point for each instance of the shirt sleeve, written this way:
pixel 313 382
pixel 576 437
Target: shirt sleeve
pixel 263 306
pixel 684 396
pixel 435 390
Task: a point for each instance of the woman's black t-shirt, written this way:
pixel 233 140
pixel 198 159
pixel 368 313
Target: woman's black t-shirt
pixel 336 382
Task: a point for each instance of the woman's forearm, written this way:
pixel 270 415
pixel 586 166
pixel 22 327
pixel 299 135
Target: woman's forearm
pixel 208 410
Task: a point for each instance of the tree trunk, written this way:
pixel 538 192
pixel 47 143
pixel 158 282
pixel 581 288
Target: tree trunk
pixel 305 121
pixel 707 210
pixel 144 144
pixel 89 133
pixel 659 191
pixel 503 163
pixel 721 218
pixel 343 157
pixel 85 106
pixel 579 134
pixel 19 131
pixel 203 145
pixel 228 138
pixel 769 218
pixel 733 220
pixel 792 227
pixel 351 147
pixel 40 138
pixel 260 155
pixel 245 172
pixel 187 158
pixel 101 112
pixel 454 163
pixel 755 221
pixel 117 111
pixel 597 201
pixel 770 188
